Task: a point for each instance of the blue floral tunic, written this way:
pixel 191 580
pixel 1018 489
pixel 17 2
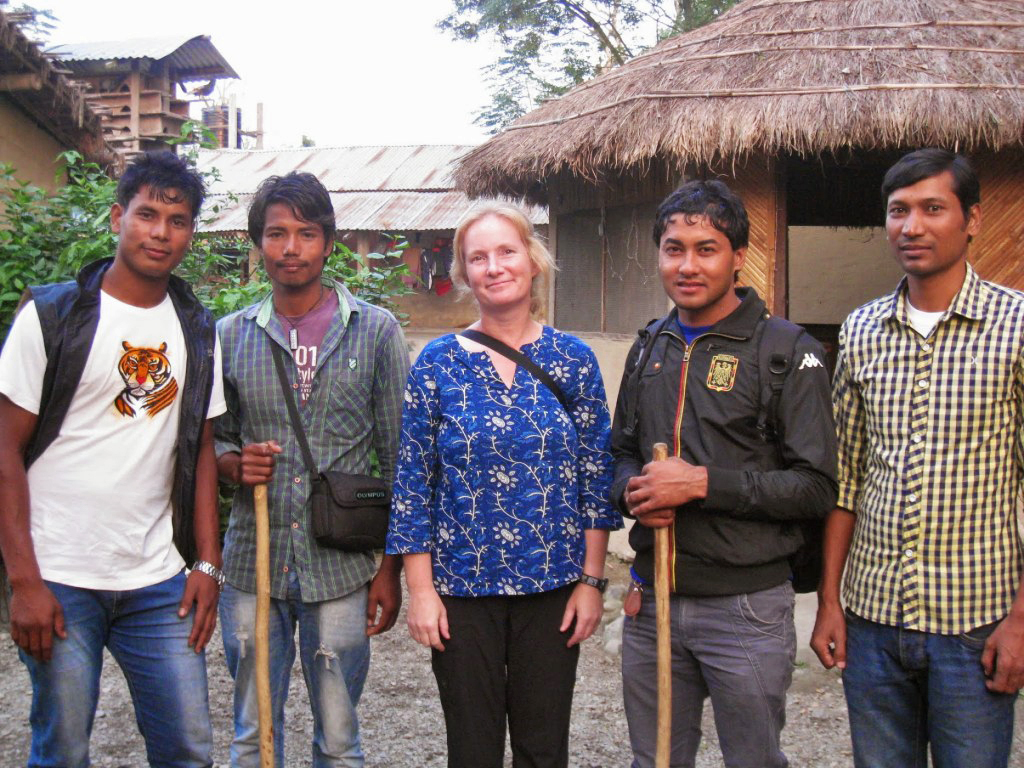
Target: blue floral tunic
pixel 497 482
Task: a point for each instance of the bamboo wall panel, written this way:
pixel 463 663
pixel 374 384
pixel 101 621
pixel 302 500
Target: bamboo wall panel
pixel 755 184
pixel 634 293
pixel 578 244
pixel 998 252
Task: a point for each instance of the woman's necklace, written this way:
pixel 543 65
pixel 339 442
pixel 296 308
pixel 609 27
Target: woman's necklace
pixel 293 333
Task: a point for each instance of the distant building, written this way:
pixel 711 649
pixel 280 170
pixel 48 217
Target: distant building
pixel 42 113
pixel 138 87
pixel 376 191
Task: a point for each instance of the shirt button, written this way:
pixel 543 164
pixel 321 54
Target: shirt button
pixel 298 479
pixel 916 438
pixel 908 553
pixel 285 569
pixel 926 347
pixel 295 386
pixel 923 384
pixel 295 525
pixel 912 498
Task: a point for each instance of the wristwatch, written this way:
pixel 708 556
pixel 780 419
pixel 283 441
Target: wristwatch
pixel 210 570
pixel 599 584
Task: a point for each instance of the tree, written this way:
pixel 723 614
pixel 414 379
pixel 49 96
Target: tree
pixel 549 46
pixel 35 23
pixel 46 238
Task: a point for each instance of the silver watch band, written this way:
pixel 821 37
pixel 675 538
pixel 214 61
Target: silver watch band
pixel 210 570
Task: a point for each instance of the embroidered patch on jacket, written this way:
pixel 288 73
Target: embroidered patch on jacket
pixel 352 363
pixel 722 373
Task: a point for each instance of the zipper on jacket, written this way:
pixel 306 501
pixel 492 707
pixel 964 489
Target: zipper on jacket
pixel 677 439
pixel 677 446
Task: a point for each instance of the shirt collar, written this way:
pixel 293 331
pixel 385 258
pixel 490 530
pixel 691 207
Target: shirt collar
pixel 743 320
pixel 969 301
pixel 264 310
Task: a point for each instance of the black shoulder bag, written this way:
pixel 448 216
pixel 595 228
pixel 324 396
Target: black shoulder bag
pixel 350 512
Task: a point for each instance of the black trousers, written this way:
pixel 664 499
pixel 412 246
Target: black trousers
pixel 506 658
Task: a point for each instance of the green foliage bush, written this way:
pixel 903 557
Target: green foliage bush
pixel 47 237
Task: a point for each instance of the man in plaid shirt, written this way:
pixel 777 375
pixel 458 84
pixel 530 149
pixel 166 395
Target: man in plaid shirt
pixel 348 367
pixel 929 400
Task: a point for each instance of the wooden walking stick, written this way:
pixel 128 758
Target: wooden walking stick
pixel 259 494
pixel 662 588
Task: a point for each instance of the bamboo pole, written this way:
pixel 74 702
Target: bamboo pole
pixel 263 627
pixel 662 589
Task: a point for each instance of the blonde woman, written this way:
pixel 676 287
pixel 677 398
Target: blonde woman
pixel 500 507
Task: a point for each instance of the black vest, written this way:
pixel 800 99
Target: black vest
pixel 68 314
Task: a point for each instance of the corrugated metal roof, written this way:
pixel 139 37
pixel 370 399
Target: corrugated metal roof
pixel 387 211
pixel 188 54
pixel 340 169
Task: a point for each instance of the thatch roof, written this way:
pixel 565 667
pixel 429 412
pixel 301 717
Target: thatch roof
pixel 29 80
pixel 780 76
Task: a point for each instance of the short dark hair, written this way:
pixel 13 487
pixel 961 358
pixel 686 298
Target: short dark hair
pixel 712 199
pixel 165 174
pixel 925 163
pixel 302 192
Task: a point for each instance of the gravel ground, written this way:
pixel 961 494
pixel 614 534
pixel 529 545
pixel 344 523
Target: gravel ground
pixel 401 718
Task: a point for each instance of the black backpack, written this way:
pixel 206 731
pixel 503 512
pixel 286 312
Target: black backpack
pixel 776 353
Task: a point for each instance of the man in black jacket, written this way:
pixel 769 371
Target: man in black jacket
pixel 743 473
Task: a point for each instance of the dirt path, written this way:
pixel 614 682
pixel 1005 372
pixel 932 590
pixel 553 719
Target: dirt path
pixel 401 718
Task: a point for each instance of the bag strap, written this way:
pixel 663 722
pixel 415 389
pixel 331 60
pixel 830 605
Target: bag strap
pixel 293 411
pixel 775 354
pixel 518 358
pixel 647 336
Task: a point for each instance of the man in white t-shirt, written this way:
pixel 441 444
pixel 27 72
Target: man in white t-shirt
pixel 108 481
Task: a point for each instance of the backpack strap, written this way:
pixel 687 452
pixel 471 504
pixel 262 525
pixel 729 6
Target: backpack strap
pixel 776 356
pixel 647 336
pixel 776 352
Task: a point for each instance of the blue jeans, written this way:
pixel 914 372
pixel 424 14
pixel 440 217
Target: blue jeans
pixel 335 655
pixel 738 650
pixel 907 689
pixel 166 678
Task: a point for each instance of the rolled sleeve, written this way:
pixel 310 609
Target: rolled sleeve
pixel 227 426
pixel 850 425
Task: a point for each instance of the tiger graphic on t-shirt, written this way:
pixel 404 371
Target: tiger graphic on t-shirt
pixel 147 377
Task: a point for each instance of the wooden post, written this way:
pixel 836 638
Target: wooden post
pixel 259 493
pixel 662 589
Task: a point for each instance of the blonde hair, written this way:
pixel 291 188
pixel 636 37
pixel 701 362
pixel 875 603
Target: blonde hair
pixel 520 221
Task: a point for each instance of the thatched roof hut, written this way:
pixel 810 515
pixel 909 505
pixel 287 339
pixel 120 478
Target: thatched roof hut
pixel 803 103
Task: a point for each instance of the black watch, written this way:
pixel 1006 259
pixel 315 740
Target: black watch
pixel 599 584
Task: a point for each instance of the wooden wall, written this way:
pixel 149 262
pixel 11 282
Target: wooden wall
pixel 608 280
pixel 998 252
pixel 755 181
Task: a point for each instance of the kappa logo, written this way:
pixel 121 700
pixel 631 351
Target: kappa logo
pixel 810 361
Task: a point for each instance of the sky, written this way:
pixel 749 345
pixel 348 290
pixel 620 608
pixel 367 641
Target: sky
pixel 344 73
